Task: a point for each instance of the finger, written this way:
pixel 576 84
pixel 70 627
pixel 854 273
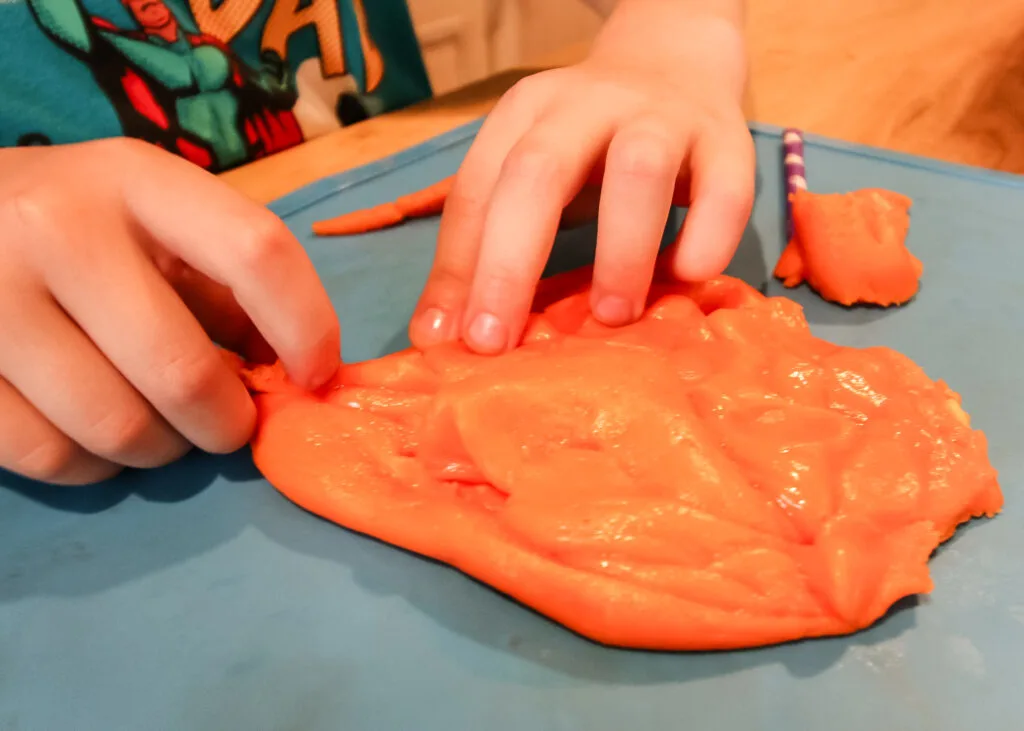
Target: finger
pixel 245 247
pixel 642 166
pixel 217 310
pixel 53 365
pixel 142 327
pixel 438 313
pixel 722 192
pixel 541 174
pixel 33 447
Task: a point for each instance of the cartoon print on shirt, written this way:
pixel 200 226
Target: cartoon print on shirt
pixel 185 92
pixel 329 91
pixel 188 92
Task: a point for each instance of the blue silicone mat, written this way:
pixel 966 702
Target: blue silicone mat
pixel 195 597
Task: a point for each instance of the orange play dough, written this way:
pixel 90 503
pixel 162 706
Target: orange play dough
pixel 710 477
pixel 851 247
pixel 428 201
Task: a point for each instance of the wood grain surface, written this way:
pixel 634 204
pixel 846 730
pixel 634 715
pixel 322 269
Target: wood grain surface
pixel 940 78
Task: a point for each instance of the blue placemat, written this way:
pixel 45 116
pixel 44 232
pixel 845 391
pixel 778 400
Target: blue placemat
pixel 195 597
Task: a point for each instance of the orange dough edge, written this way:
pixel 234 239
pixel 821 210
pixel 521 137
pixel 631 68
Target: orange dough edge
pixel 851 247
pixel 308 445
pixel 426 202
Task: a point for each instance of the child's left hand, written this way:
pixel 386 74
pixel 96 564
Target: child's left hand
pixel 652 128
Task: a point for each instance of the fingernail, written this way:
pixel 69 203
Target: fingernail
pixel 614 310
pixel 487 334
pixel 433 327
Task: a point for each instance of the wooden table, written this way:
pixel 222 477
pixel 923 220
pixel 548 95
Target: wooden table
pixel 943 78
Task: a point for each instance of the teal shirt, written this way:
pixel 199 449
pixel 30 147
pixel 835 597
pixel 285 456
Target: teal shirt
pixel 220 83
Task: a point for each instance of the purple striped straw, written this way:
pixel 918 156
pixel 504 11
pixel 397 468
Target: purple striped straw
pixel 793 147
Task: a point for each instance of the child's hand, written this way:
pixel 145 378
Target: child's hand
pixel 114 257
pixel 654 116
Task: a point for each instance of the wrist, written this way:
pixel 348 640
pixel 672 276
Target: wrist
pixel 696 38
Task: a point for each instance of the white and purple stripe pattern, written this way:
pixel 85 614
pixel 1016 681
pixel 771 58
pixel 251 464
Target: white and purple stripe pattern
pixel 793 147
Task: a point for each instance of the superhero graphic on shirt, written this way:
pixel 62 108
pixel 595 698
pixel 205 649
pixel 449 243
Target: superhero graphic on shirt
pixel 186 92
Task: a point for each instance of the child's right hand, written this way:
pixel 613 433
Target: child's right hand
pixel 118 264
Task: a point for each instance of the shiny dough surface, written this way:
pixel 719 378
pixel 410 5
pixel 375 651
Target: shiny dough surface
pixel 710 477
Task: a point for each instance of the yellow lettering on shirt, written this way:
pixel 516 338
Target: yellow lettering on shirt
pixel 225 21
pixel 371 54
pixel 286 18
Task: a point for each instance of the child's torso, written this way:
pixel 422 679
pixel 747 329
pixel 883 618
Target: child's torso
pixel 218 85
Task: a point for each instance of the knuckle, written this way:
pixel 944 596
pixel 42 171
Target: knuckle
pixel 726 171
pixel 514 96
pixel 169 450
pixel 501 282
pixel 26 214
pixel 35 224
pixel 643 154
pixel 119 433
pixel 448 275
pixel 533 164
pixel 51 460
pixel 189 379
pixel 114 152
pixel 468 200
pixel 263 242
pixel 736 194
pixel 525 90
